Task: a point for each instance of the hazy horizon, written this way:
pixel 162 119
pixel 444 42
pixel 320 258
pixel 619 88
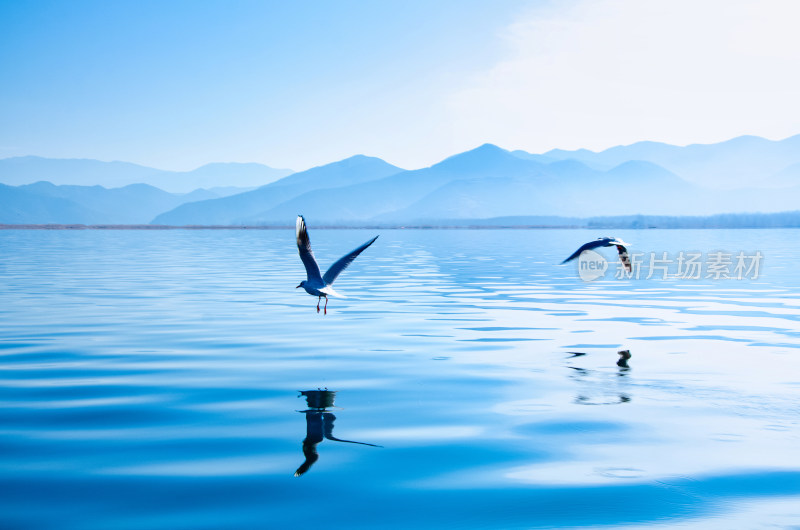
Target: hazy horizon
pixel 446 156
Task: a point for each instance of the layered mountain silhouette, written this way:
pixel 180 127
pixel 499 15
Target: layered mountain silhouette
pixel 489 182
pixel 29 169
pixel 735 163
pixel 244 208
pixel 18 206
pixel 46 203
pixel 745 174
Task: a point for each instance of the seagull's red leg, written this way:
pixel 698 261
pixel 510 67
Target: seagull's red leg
pixel 318 303
pixel 326 306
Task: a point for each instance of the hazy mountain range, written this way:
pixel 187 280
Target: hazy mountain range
pixel 249 207
pixel 46 203
pixel 82 172
pixel 735 163
pixel 746 174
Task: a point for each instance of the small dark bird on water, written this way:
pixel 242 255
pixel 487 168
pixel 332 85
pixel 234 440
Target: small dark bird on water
pixel 317 284
pixel 605 242
pixel 624 355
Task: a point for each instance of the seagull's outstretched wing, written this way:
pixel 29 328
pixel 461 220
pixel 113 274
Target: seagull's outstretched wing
pixel 304 246
pixel 623 257
pixel 328 431
pixel 588 246
pixel 336 269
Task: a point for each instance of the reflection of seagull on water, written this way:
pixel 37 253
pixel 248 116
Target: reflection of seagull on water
pixel 319 425
pixel 598 388
pixel 316 284
pixel 624 355
pixel 605 242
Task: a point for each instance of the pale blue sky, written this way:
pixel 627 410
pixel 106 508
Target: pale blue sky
pixel 177 84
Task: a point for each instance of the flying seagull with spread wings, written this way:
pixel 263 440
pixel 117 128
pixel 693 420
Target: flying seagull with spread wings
pixel 317 284
pixel 605 242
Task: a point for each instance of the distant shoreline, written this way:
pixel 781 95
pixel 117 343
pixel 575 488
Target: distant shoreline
pixel 591 226
pixel 275 227
pixel 133 227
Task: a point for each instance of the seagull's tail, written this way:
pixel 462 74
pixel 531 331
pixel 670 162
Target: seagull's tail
pixel 328 290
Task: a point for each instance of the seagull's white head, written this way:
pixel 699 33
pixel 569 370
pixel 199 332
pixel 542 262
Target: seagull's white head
pixel 301 284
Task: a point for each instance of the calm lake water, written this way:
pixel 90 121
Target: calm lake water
pixel 153 379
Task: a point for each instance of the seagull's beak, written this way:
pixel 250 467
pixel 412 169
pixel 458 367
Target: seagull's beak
pixel 299 286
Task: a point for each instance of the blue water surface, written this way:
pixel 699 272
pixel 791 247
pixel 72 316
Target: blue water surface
pixel 153 379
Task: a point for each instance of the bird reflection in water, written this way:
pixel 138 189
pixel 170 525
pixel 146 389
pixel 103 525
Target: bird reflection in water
pixel 599 387
pixel 319 425
pixel 624 355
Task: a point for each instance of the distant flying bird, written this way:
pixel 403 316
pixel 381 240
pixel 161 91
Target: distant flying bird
pixel 316 284
pixel 605 242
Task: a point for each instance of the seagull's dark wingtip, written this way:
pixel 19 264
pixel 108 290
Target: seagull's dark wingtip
pixel 573 256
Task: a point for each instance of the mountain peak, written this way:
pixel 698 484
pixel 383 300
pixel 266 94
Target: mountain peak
pixel 489 146
pixel 487 149
pixel 355 161
pixel 213 166
pixel 743 141
pixel 478 158
pixel 564 153
pixel 362 159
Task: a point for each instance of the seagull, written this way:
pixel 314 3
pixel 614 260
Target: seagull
pixel 605 242
pixel 317 284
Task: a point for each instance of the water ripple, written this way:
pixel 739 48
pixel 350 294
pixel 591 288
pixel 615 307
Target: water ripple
pixel 152 379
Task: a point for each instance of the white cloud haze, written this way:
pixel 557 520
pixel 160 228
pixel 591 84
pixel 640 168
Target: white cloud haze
pixel 609 72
